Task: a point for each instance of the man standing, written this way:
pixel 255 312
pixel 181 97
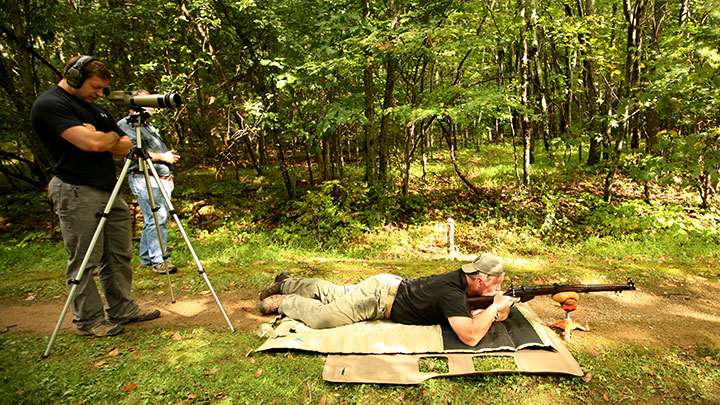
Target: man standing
pixel 430 300
pixel 79 139
pixel 151 252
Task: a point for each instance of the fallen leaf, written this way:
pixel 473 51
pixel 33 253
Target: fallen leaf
pixel 192 396
pixel 114 352
pixel 211 371
pixel 100 364
pixel 30 297
pixel 587 377
pixel 258 373
pixel 176 336
pixel 130 387
pixel 323 400
pixel 606 396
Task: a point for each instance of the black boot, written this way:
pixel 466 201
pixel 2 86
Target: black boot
pixel 276 286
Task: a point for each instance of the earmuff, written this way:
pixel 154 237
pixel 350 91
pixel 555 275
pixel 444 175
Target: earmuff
pixel 74 75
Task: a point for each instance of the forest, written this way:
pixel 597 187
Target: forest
pixel 578 139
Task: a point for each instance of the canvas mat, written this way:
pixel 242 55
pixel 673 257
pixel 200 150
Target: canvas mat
pixel 390 353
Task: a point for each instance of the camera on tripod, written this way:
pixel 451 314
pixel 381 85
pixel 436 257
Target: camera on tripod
pixel 132 99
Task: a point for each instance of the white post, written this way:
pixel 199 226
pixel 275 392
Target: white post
pixel 451 237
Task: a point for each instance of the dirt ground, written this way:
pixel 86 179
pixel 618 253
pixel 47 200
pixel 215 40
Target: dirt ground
pixel 671 316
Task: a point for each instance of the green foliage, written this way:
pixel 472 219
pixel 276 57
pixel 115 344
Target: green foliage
pixel 566 214
pixel 691 160
pixel 339 212
pixel 324 216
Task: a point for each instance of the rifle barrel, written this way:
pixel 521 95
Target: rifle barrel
pixel 526 293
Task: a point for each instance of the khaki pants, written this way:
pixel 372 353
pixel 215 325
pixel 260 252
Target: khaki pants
pixel 78 208
pixel 321 304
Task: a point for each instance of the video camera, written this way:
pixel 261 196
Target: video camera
pixel 170 100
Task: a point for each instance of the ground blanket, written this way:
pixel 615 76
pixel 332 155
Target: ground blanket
pixel 390 353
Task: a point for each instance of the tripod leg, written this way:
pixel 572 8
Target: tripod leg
pixel 86 259
pixel 201 271
pixel 154 208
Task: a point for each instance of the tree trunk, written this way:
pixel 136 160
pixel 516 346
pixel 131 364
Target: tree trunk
pixel 684 11
pixel 369 125
pixel 591 97
pixel 525 127
pixel 277 140
pixel 22 90
pixel 309 164
pixel 449 134
pixel 388 102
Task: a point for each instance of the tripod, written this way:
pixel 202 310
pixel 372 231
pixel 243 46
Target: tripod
pixel 145 163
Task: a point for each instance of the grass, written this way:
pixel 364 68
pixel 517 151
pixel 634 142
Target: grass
pixel 241 253
pixel 199 365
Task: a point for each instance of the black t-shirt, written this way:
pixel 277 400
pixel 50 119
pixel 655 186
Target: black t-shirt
pixel 57 110
pixel 431 300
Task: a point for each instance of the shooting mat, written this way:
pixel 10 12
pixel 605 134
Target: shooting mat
pixel 390 353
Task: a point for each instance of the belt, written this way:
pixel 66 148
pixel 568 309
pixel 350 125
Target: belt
pixel 392 292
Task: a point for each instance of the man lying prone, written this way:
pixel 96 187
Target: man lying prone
pixel 436 299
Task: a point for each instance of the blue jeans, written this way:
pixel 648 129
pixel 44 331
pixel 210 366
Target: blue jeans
pixel 150 252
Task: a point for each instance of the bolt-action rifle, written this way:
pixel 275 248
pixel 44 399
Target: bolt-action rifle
pixel 530 292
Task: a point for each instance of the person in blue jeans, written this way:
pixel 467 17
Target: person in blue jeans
pixel 151 254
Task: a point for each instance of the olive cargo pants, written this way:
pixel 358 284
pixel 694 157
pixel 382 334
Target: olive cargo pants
pixel 321 304
pixel 78 208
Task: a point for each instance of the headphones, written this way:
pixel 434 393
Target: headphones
pixel 74 75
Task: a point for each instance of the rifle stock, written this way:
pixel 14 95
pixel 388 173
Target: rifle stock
pixel 530 292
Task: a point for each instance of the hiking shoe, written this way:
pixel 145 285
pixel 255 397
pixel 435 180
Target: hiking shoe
pixel 141 316
pixel 280 277
pixel 276 286
pixel 164 268
pixel 101 329
pixel 271 304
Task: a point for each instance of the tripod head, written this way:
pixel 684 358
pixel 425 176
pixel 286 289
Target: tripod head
pixel 139 116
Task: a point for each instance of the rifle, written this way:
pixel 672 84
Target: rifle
pixel 528 293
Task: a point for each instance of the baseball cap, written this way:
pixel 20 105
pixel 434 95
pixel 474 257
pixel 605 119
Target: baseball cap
pixel 487 263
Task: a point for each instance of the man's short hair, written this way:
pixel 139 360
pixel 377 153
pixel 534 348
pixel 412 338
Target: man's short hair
pixel 92 68
pixel 485 266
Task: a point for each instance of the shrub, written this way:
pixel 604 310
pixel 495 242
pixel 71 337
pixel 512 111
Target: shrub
pixel 323 216
pixel 338 213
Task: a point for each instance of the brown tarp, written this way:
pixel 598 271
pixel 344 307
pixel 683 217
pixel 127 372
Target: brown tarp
pixel 386 352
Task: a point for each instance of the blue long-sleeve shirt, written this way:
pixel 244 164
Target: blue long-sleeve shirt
pixel 152 141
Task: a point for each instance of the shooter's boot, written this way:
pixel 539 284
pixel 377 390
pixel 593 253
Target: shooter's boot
pixel 271 304
pixel 276 286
